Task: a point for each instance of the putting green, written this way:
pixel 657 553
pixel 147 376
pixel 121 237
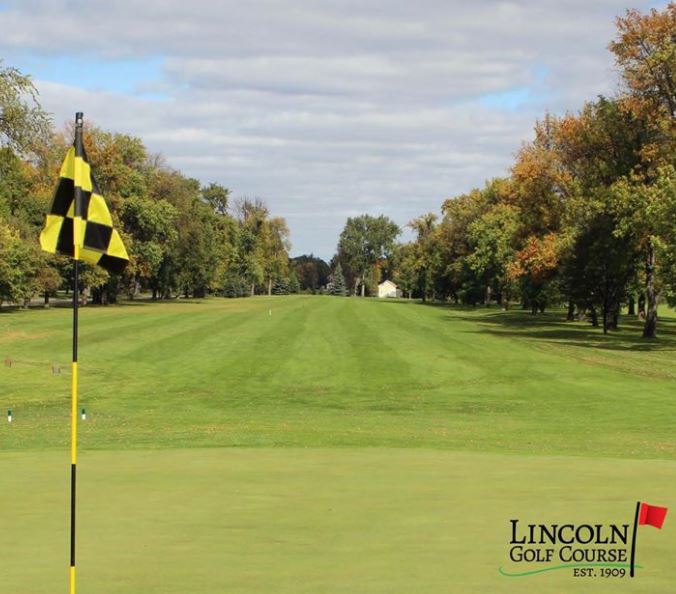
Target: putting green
pixel 332 520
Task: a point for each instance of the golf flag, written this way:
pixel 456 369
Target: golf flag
pixel 79 225
pixel 91 230
pixel 651 515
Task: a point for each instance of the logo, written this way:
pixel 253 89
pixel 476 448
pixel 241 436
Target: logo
pixel 586 550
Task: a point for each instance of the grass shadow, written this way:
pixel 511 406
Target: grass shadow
pixel 554 328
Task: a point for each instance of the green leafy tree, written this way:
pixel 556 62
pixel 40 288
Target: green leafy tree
pixel 424 252
pixel 646 210
pixel 406 276
pixel 312 272
pixel 152 225
pixel 18 266
pixel 365 242
pixel 275 246
pixel 217 196
pixel 24 126
pixel 338 286
pixel 252 217
pixel 601 267
pixel 493 241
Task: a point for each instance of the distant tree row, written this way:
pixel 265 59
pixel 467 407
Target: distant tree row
pixel 183 238
pixel 587 216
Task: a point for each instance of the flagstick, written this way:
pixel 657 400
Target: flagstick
pixel 633 540
pixel 77 215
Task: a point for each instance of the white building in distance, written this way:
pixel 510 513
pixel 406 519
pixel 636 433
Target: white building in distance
pixel 388 289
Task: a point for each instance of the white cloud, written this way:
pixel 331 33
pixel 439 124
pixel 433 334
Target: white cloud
pixel 326 110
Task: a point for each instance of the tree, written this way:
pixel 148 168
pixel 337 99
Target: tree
pixel 365 242
pixel 599 268
pixel 217 196
pixel 338 284
pixel 275 246
pixel 48 279
pixel 424 252
pixel 24 126
pixel 645 51
pixel 152 225
pixel 539 184
pixel 597 146
pixel 536 266
pixel 14 185
pixel 493 241
pixel 252 215
pixel 179 235
pixel 18 266
pixel 312 272
pixel 646 209
pixel 405 274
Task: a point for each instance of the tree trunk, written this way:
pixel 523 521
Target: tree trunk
pixel 594 318
pixel 650 327
pixel 631 306
pixel 641 306
pixel 487 296
pixel 253 289
pixel 570 316
pixel 363 289
pixel 46 299
pixel 504 300
pixel 269 286
pixel 615 319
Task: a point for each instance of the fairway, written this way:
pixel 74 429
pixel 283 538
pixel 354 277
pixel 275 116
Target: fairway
pixel 319 444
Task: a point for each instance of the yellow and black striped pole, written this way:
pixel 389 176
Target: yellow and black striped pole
pixel 80 225
pixel 77 243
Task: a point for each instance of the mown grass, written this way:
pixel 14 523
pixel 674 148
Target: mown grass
pixel 316 520
pixel 322 371
pixel 324 445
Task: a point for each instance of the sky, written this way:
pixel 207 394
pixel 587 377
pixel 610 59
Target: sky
pixel 323 109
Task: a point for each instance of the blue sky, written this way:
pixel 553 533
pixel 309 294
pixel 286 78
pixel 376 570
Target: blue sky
pixel 127 76
pixel 323 110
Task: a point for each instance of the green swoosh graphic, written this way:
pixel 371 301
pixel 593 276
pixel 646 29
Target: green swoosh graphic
pixel 565 566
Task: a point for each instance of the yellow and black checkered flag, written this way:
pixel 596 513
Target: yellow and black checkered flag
pixel 88 235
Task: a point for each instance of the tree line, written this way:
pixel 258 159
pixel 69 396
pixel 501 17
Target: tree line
pixel 586 216
pixel 183 238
